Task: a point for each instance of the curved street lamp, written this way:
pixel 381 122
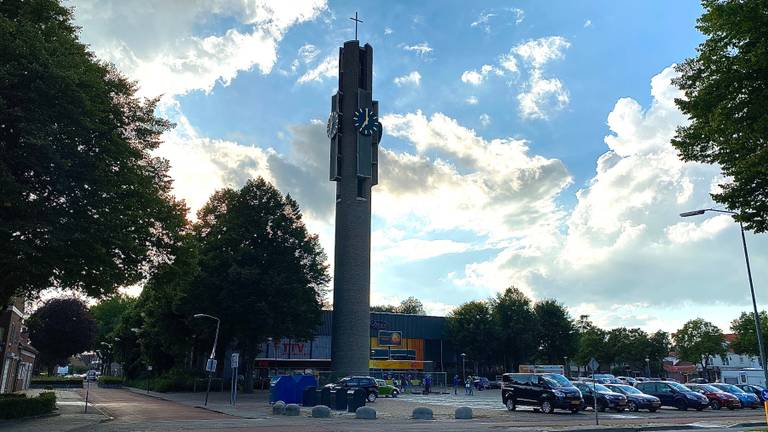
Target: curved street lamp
pixel 212 358
pixel 751 285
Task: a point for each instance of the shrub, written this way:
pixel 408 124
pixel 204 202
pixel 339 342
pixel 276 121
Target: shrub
pixel 22 406
pixel 45 381
pixel 110 380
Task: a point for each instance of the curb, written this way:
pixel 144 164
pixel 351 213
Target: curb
pixel 166 398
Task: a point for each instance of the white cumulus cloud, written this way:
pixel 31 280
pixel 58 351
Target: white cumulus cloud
pixel 328 68
pixel 411 79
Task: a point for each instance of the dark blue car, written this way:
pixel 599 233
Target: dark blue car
pixel 754 389
pixel 748 400
pixel 674 395
pixel 636 400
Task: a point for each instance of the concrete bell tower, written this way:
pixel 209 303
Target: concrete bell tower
pixel 355 132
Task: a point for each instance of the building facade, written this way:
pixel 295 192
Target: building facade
pixel 420 347
pixel 17 356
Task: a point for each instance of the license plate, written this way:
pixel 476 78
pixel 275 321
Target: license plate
pixel 656 404
pixel 575 403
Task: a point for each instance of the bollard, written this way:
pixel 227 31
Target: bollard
pixel 292 410
pixel 463 413
pixel 422 413
pixel 321 411
pixel 365 413
pixel 278 408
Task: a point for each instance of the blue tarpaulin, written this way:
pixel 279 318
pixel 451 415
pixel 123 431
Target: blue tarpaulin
pixel 289 388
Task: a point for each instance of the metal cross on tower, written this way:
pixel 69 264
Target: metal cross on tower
pixel 356 21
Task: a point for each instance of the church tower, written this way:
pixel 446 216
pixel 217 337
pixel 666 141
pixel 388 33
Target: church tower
pixel 355 132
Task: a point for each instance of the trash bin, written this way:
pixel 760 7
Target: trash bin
pixel 301 382
pixel 309 398
pixel 325 397
pixel 282 387
pixel 338 399
pixel 355 399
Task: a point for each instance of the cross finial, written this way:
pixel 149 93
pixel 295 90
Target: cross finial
pixel 356 21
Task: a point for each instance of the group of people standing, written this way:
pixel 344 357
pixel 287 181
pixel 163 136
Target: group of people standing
pixel 468 385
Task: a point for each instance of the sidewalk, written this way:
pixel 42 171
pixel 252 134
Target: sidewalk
pixel 249 405
pixel 68 415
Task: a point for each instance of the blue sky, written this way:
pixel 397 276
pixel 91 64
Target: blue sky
pixel 526 143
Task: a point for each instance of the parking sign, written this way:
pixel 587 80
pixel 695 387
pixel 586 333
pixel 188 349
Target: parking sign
pixel 235 360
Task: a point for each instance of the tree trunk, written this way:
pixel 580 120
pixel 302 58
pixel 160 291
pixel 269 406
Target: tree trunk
pixel 247 363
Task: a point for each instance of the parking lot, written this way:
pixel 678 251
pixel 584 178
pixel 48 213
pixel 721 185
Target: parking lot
pixel 487 406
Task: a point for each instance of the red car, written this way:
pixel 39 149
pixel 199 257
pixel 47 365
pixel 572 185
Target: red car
pixel 717 398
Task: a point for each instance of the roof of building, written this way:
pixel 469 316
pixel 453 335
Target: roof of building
pixel 411 326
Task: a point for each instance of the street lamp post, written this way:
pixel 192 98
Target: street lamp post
pixel 647 367
pixel 751 285
pixel 212 359
pixel 566 367
pixel 463 367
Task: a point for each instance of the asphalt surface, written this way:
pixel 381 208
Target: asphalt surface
pixel 121 410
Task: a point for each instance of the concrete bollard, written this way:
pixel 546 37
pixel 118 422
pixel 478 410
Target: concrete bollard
pixel 278 408
pixel 422 413
pixel 292 410
pixel 463 413
pixel 321 411
pixel 365 413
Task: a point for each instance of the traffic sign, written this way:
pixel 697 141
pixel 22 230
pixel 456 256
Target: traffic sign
pixel 235 360
pixel 593 364
pixel 210 365
pixel 764 394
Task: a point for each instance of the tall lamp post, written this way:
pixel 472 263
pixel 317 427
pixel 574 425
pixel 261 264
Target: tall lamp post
pixel 758 328
pixel 463 367
pixel 647 367
pixel 210 366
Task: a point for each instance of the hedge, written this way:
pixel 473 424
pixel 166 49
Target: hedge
pixel 18 407
pixel 59 382
pixel 110 381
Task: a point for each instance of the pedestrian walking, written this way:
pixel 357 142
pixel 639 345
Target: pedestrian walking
pixel 468 386
pixel 427 384
pixel 456 382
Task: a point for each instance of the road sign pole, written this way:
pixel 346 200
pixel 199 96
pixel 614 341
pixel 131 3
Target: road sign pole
pixel 593 365
pixel 88 389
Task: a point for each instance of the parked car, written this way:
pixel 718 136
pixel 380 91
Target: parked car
pixel 754 389
pixel 548 391
pixel 717 398
pixel 627 380
pixel 387 390
pixel 674 394
pixel 636 400
pixel 354 382
pixel 606 379
pixel 481 383
pixel 748 400
pixel 606 399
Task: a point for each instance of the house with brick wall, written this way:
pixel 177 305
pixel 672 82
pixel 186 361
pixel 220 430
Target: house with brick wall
pixel 17 356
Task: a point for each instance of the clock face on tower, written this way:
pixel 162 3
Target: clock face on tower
pixel 332 128
pixel 366 122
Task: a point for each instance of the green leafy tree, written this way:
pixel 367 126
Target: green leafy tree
pixel 411 306
pixel 470 330
pixel 593 344
pixel 698 340
pixel 746 338
pixel 260 270
pixel 60 328
pixel 726 88
pixel 108 314
pixel 560 337
pixel 516 326
pixel 659 347
pixel 83 203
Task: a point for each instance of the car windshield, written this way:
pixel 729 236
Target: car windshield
pixel 556 380
pixel 679 387
pixel 628 390
pixel 730 388
pixel 599 388
pixel 710 388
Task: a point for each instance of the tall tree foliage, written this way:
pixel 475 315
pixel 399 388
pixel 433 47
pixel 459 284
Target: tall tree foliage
pixel 746 338
pixel 60 328
pixel 517 327
pixel 699 339
pixel 470 330
pixel 411 305
pixel 83 203
pixel 559 337
pixel 726 88
pixel 260 270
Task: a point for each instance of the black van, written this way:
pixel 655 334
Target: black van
pixel 548 391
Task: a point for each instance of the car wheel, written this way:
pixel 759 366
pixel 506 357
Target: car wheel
pixel 731 408
pixel 372 397
pixel 701 408
pixel 715 405
pixel 632 407
pixel 681 405
pixel 754 407
pixel 546 407
pixel 574 410
pixel 511 404
pixel 618 410
pixel 395 393
pixel 652 409
pixel 601 406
